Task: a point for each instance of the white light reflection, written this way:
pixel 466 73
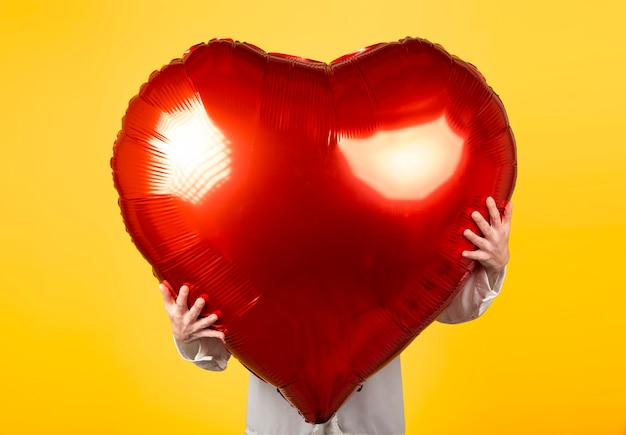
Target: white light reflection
pixel 196 156
pixel 408 163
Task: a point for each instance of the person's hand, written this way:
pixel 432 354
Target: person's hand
pixel 187 325
pixel 493 247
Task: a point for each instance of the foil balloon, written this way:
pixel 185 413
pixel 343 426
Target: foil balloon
pixel 319 207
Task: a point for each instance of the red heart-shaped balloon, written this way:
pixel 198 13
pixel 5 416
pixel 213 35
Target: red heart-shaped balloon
pixel 319 207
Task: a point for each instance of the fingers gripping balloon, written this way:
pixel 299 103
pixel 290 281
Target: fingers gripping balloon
pixel 319 206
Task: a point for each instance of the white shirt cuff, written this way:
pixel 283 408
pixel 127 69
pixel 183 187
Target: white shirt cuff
pixel 474 298
pixel 208 353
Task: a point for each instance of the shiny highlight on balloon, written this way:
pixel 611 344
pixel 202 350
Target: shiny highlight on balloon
pixel 408 163
pixel 194 153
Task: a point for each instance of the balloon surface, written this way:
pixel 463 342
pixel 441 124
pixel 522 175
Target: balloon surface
pixel 319 207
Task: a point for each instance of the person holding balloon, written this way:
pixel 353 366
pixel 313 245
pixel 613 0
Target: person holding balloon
pixel 330 198
pixel 377 407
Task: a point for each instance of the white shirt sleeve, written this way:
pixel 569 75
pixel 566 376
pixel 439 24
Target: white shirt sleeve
pixel 474 298
pixel 208 353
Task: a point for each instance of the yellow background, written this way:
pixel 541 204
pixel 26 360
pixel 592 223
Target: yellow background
pixel 86 346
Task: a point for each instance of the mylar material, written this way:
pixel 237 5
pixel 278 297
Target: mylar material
pixel 319 207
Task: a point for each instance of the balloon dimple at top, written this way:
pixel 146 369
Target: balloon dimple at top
pixel 355 53
pixel 296 58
